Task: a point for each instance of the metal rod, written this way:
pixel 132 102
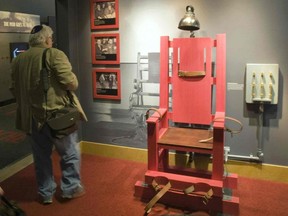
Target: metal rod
pixel 251 157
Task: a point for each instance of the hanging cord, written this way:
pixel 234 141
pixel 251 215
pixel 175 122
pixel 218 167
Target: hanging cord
pixel 153 109
pixel 260 130
pixel 232 132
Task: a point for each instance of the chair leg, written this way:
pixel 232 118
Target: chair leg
pixel 164 163
pixel 153 154
pixel 191 157
pixel 218 156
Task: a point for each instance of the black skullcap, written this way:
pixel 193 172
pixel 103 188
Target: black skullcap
pixel 36 29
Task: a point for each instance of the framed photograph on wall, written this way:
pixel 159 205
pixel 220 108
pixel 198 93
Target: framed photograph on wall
pixel 106 84
pixel 105 48
pixel 104 14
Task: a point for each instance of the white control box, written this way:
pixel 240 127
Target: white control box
pixel 262 83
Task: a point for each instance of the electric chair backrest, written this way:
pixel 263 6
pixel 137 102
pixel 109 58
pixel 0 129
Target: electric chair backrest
pixel 192 79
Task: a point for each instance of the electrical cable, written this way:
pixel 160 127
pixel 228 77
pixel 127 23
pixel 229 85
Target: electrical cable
pixel 153 109
pixel 225 128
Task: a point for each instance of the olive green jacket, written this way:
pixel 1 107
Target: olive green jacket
pixel 27 87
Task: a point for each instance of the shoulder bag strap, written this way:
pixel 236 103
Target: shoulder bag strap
pixel 70 96
pixel 45 76
pixel 45 73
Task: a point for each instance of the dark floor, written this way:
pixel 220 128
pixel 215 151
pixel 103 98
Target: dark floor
pixel 14 144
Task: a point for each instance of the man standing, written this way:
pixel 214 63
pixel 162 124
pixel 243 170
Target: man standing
pixel 33 110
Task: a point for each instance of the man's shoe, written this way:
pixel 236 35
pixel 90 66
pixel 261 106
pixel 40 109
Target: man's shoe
pixel 78 192
pixel 47 200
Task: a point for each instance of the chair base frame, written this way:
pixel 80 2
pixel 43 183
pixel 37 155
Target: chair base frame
pixel 218 203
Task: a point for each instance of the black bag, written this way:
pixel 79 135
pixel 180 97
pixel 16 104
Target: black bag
pixel 64 121
pixel 10 208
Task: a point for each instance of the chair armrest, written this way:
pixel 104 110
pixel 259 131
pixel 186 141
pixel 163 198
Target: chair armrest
pixel 158 115
pixel 158 121
pixel 219 120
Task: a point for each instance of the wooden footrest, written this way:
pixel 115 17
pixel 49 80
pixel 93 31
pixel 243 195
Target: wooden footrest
pixel 190 202
pixel 180 182
pixel 176 197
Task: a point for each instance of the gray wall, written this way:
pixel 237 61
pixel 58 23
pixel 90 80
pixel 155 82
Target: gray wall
pixel 256 33
pixel 43 8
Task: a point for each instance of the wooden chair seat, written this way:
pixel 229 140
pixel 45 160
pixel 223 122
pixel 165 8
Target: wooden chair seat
pixel 188 139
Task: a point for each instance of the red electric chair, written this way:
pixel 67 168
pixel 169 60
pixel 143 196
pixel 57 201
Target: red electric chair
pixel 193 94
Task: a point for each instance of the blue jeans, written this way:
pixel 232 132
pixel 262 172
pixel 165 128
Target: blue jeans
pixel 69 151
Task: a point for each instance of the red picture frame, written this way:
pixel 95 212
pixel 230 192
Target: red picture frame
pixel 104 14
pixel 105 48
pixel 106 84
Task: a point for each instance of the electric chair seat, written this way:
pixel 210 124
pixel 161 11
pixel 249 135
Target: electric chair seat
pixel 185 139
pixel 198 98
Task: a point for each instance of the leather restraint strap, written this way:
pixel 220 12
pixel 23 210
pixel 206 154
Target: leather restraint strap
pixel 165 186
pixel 157 187
pixel 208 196
pixel 189 190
